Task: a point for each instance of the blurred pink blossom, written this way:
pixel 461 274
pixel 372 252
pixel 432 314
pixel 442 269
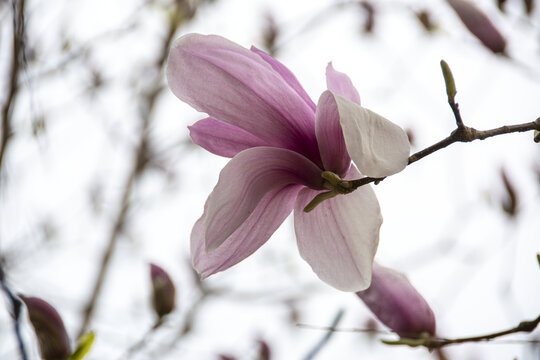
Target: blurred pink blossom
pixel 397 304
pixel 51 333
pixel 479 25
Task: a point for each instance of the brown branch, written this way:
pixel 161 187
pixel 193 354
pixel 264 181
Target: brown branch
pixel 461 134
pixel 468 134
pixel 138 167
pixel 437 343
pixel 16 62
pixel 6 128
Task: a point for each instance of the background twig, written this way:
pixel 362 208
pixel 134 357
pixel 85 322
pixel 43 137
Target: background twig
pixel 138 167
pixel 16 63
pixel 16 305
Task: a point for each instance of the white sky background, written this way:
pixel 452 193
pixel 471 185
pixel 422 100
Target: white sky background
pixel 443 225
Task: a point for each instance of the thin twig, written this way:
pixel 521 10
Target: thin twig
pixel 437 343
pixel 138 167
pixel 16 62
pixel 143 341
pixel 6 128
pixel 461 134
pixel 326 337
pixel 468 134
pixel 16 305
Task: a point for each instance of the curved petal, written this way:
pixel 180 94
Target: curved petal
pixel 245 180
pixel 339 237
pixel 221 138
pixel 339 83
pixel 270 212
pixel 286 74
pixel 397 304
pixel 332 147
pixel 236 86
pixel 377 146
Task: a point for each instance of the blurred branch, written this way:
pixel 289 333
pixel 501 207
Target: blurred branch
pixel 6 113
pixel 143 341
pixel 16 62
pixel 141 159
pixel 437 343
pixel 16 305
pixel 326 337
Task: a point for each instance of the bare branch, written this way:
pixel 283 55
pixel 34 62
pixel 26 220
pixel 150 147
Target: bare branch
pixel 16 62
pixel 138 167
pixel 437 343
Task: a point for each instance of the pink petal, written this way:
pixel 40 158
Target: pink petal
pixel 339 83
pixel 339 237
pixel 245 180
pixel 221 138
pixel 377 146
pixel 397 304
pixel 330 136
pixel 236 86
pixel 270 212
pixel 286 74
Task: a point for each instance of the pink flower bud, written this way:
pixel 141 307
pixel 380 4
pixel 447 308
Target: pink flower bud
pixel 397 304
pixel 479 25
pixel 163 291
pixel 51 334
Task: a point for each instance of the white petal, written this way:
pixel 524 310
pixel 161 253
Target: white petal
pixel 377 146
pixel 340 236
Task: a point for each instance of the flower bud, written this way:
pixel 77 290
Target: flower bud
pixel 52 337
pixel 397 304
pixel 479 25
pixel 163 291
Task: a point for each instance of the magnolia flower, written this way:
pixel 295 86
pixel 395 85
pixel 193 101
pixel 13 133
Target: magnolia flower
pixel 397 304
pixel 281 143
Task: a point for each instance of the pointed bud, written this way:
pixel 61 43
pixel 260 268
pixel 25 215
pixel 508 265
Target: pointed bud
pixel 510 201
pixel 264 352
pixel 163 291
pixel 529 6
pixel 449 82
pixel 479 25
pixel 226 357
pixel 424 17
pixel 51 333
pixel 369 13
pixel 397 304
